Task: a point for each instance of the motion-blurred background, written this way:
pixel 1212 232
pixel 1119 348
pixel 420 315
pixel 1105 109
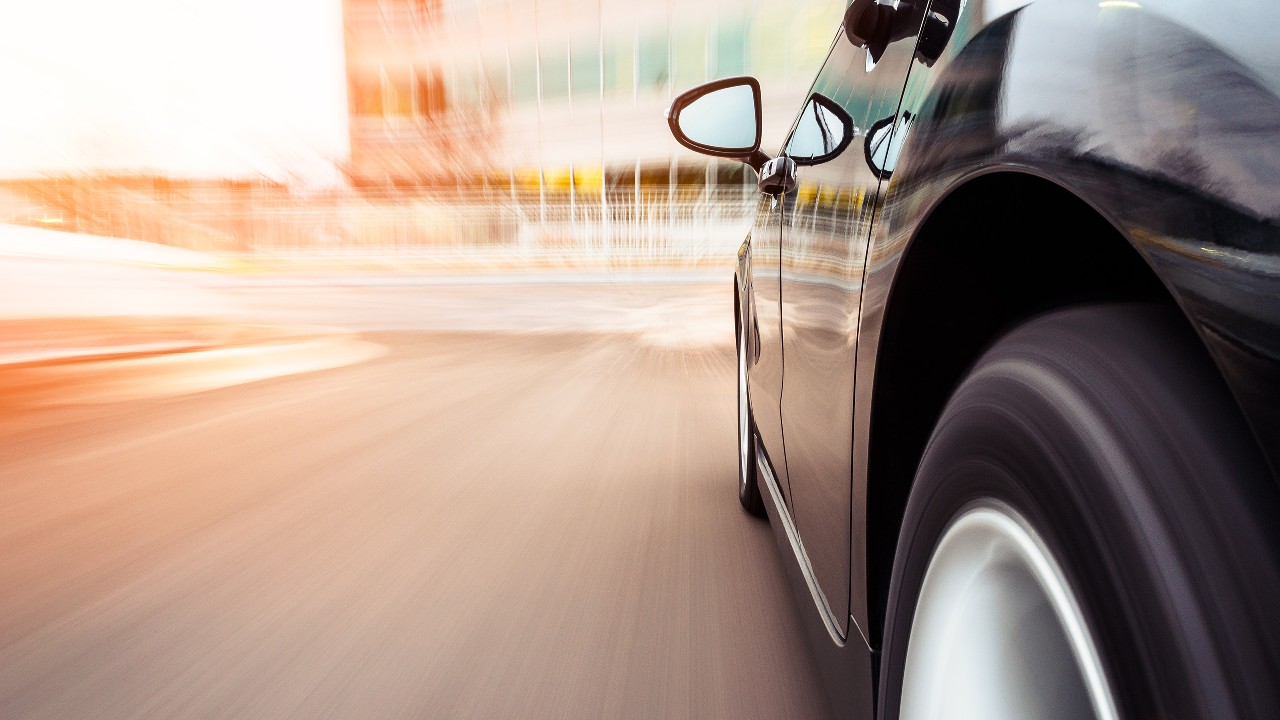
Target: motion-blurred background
pixel 374 358
pixel 522 130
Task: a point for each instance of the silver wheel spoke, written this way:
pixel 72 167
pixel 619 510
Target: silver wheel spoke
pixel 997 632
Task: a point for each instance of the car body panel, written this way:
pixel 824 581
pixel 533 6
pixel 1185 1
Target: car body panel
pixel 847 667
pixel 1160 116
pixel 765 301
pixel 825 229
pixel 1171 134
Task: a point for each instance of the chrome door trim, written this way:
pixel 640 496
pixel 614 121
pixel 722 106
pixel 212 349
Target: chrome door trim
pixel 802 558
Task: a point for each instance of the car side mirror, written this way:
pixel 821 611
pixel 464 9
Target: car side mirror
pixel 720 119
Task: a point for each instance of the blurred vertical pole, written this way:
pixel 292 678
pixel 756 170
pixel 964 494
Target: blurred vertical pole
pixel 573 175
pixel 710 50
pixel 672 164
pixel 606 237
pixel 483 107
pixel 522 238
pixel 537 66
pixel 751 53
pixel 635 99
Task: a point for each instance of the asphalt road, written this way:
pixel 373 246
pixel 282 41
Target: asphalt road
pixel 522 506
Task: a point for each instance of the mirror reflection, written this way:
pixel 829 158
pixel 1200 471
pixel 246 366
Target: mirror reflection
pixel 723 119
pixel 823 131
pixel 884 143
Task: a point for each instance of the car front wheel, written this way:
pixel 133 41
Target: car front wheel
pixel 1090 534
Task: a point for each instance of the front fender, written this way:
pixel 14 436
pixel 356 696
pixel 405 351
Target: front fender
pixel 1162 116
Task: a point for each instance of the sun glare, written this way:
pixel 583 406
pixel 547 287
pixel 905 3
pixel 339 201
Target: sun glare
pixel 191 89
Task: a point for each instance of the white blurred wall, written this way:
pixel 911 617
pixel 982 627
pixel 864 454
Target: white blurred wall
pixel 190 88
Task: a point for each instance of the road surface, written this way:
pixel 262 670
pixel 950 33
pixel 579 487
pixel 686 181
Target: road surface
pixel 521 506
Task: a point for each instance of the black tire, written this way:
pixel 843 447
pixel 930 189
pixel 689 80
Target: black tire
pixel 748 483
pixel 1110 433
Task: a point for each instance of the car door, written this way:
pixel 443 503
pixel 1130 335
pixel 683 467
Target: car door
pixel 765 378
pixel 826 223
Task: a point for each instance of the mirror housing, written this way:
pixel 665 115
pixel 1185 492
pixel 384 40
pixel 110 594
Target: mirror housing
pixel 715 119
pixel 778 177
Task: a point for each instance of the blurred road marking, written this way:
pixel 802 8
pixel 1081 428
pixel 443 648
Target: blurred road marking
pixel 514 277
pixel 144 440
pixel 184 373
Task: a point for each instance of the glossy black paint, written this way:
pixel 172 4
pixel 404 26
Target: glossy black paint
pixel 825 228
pixel 1164 125
pixel 758 271
pixel 1052 154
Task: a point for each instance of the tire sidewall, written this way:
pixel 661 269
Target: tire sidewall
pixel 960 474
pixel 1085 446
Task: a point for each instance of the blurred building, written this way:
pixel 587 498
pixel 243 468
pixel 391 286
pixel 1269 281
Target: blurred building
pixel 562 96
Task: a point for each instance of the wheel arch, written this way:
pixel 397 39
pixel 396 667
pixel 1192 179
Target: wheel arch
pixel 972 271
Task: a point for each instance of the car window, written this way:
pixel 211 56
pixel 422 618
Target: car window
pixel 823 131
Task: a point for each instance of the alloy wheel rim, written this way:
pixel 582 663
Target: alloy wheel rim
pixel 997 631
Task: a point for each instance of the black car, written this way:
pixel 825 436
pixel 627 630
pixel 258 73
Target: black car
pixel 1008 332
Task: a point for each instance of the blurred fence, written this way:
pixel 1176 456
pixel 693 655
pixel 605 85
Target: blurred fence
pixel 651 227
